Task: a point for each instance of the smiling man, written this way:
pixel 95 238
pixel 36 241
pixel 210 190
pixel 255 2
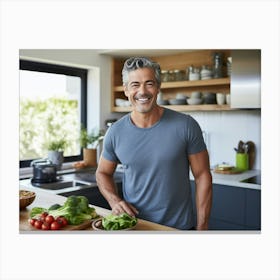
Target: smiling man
pixel 156 147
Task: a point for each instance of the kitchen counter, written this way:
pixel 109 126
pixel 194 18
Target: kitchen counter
pixel 46 199
pixel 83 180
pixel 68 182
pixel 235 180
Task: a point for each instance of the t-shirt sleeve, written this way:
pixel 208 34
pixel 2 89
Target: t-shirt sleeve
pixel 196 142
pixel 108 151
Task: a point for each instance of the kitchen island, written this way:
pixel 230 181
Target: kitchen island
pixel 46 199
pixel 236 201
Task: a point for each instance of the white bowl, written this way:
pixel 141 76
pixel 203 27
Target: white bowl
pixel 180 96
pixel 177 101
pixel 195 94
pixel 122 102
pixel 194 101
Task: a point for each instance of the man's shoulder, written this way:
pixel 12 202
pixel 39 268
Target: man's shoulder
pixel 119 123
pixel 122 120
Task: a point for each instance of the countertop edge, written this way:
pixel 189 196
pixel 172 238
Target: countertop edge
pixel 234 180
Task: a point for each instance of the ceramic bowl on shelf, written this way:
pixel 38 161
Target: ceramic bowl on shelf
pixel 162 102
pixel 209 98
pixel 194 101
pixel 195 94
pixel 122 102
pixel 180 96
pixel 177 101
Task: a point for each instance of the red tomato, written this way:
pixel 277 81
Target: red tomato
pixel 55 225
pixel 49 219
pixel 32 222
pixel 43 216
pixel 62 221
pixel 38 224
pixel 46 226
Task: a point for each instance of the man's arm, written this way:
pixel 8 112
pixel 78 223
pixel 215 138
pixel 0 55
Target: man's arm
pixel 203 179
pixel 106 185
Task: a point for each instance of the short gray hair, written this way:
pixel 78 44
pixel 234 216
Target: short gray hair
pixel 134 63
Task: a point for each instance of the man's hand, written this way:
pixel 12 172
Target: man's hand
pixel 124 207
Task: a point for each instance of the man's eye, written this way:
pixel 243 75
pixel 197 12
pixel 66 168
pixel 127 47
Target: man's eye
pixel 150 84
pixel 134 85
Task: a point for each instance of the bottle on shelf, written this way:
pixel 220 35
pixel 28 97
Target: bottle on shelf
pixel 217 65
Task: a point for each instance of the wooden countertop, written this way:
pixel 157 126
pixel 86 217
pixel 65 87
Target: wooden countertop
pixel 46 199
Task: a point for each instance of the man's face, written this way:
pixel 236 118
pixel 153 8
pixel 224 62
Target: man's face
pixel 142 90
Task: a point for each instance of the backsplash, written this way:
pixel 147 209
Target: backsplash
pixel 223 130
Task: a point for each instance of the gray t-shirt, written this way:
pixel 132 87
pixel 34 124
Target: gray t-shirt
pixel 156 166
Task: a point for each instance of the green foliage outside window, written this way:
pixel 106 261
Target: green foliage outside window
pixel 45 121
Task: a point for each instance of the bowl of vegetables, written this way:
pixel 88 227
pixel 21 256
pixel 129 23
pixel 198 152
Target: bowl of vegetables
pixel 115 222
pixel 26 198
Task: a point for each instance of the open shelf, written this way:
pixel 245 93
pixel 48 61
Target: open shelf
pixel 170 89
pixel 185 108
pixel 186 84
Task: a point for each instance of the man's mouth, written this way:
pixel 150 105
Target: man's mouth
pixel 143 99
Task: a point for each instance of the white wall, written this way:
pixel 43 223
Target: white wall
pixel 223 129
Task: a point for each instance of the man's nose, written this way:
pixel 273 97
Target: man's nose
pixel 142 88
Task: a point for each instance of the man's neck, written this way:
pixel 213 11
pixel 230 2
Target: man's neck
pixel 144 120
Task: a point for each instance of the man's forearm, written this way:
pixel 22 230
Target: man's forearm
pixel 108 188
pixel 203 202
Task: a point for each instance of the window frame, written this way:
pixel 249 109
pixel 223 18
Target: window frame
pixel 66 70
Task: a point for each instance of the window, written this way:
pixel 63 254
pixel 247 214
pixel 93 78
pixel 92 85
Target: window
pixel 52 107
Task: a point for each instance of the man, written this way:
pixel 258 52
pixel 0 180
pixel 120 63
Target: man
pixel 156 147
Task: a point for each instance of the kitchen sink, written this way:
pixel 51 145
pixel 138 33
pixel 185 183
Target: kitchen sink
pixel 69 183
pixel 253 180
pixel 57 185
pixel 61 185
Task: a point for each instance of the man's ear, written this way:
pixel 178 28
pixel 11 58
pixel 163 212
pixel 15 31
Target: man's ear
pixel 125 90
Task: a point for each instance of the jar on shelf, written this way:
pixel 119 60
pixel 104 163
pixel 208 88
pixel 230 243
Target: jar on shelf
pixel 164 76
pixel 194 73
pixel 229 62
pixel 205 72
pixel 171 75
pixel 179 75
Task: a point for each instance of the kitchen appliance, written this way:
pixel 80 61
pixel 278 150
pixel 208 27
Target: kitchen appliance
pixel 245 88
pixel 253 180
pixel 44 171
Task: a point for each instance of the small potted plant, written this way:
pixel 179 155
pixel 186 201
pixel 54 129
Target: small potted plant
pixel 55 152
pixel 90 141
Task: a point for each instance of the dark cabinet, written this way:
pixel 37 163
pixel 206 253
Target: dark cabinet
pixel 233 208
pixel 253 209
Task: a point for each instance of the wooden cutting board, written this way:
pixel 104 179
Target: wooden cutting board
pixel 24 224
pixel 230 171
